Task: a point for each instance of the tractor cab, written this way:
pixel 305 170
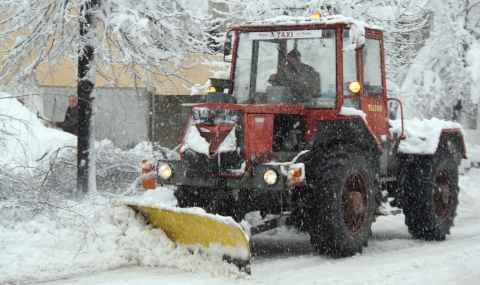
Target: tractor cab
pixel 340 63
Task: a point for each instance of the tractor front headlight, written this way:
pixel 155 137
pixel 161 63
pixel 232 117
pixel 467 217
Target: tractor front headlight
pixel 165 171
pixel 270 177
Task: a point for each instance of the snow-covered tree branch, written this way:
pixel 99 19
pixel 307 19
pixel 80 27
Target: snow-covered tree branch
pixel 143 38
pixel 149 41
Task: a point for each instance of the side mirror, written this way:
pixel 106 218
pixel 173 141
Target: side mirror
pixel 219 84
pixel 227 47
pixel 357 37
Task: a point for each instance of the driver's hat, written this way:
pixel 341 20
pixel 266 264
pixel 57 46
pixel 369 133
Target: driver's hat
pixel 294 53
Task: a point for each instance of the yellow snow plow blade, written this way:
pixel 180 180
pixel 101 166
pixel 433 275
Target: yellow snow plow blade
pixel 207 230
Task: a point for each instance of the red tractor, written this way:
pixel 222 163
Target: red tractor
pixel 301 131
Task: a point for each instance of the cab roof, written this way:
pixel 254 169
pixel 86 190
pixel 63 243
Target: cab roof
pixel 301 21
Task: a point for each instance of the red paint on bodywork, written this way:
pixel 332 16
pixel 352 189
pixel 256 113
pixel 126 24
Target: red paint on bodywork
pixel 258 136
pixel 275 109
pixel 457 130
pixel 214 135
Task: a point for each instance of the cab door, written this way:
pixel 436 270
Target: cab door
pixel 372 75
pixel 366 66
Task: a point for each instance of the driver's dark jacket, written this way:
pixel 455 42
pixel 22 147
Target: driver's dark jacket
pixel 70 124
pixel 304 78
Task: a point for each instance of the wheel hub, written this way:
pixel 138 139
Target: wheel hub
pixel 445 193
pixel 442 198
pixel 354 203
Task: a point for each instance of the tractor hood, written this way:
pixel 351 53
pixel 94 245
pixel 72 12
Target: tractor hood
pixel 213 141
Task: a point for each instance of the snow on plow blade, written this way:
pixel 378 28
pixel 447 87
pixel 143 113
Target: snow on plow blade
pixel 216 235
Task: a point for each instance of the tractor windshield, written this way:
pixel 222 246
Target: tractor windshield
pixel 286 67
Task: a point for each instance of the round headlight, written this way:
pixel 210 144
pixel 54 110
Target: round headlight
pixel 354 86
pixel 211 89
pixel 270 176
pixel 165 171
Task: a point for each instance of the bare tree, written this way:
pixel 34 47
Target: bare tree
pixel 86 69
pixel 149 41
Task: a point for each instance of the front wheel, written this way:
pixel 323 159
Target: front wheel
pixel 342 201
pixel 431 195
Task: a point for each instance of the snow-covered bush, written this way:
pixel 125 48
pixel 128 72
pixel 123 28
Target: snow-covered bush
pixel 49 183
pixel 38 165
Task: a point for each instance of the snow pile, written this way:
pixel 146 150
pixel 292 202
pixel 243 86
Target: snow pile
pixel 349 111
pixel 23 137
pixel 78 242
pixel 421 136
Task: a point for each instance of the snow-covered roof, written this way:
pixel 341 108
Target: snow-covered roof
pixel 309 20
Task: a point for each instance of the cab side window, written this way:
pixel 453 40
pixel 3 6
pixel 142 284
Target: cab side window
pixel 350 72
pixel 372 67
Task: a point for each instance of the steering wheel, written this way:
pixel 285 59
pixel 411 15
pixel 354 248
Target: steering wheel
pixel 284 82
pixel 273 82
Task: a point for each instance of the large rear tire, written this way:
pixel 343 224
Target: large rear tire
pixel 342 201
pixel 431 195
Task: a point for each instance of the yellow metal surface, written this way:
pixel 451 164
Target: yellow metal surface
pixel 192 229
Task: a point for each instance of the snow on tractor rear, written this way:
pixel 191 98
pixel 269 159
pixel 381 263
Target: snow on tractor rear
pixel 301 131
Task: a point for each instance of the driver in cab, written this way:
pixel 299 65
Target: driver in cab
pixel 302 78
